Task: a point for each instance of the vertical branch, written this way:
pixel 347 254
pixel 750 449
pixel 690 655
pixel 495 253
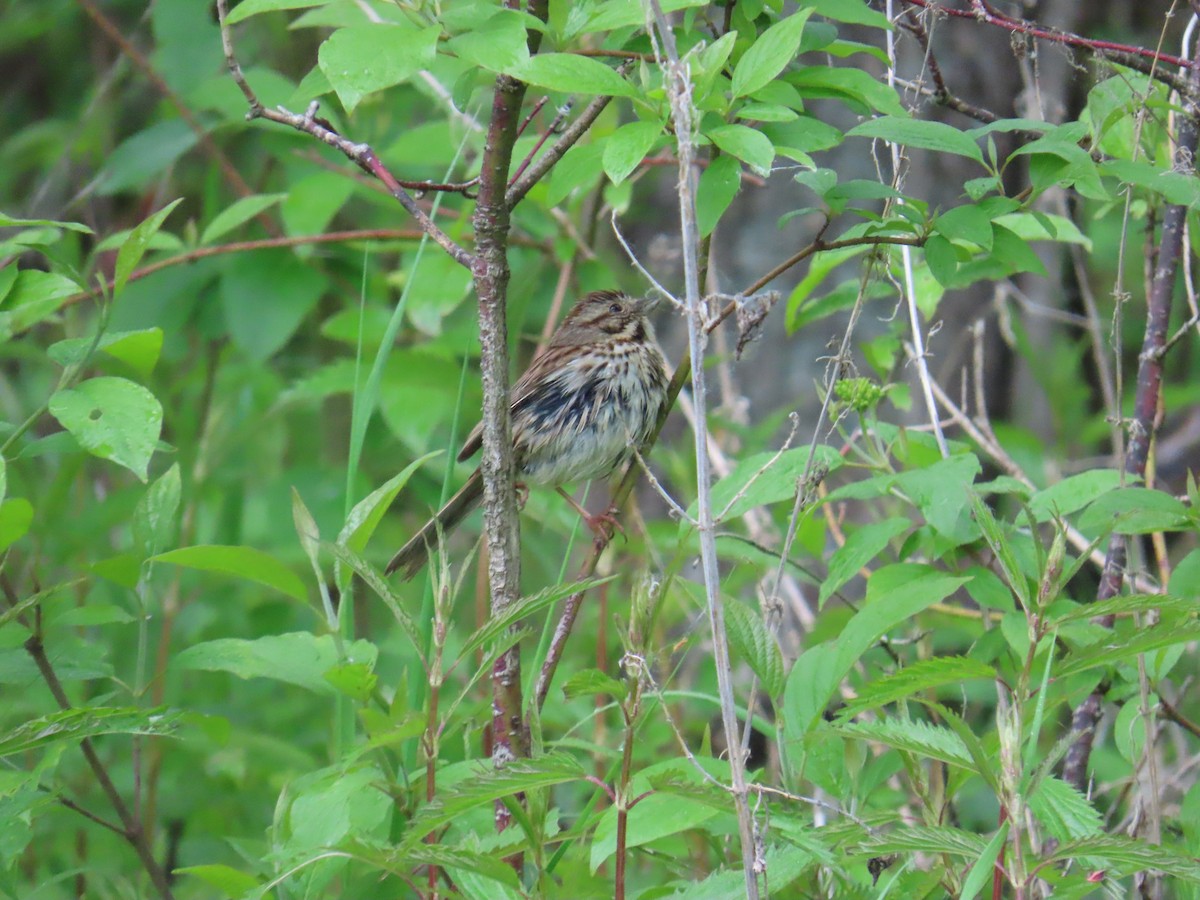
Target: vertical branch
pixel 1146 403
pixel 679 89
pixel 490 271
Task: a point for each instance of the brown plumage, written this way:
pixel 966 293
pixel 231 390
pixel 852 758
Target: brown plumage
pixel 582 406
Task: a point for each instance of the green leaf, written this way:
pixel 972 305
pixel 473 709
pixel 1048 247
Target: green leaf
pixel 525 606
pixel 230 881
pixel 765 478
pixel 154 517
pixel 942 259
pixel 33 298
pixel 571 74
pixel 1124 604
pixel 1065 813
pixel 923 675
pixel 355 680
pixel 112 418
pixel 3 479
pixel 134 248
pixel 626 147
pixel 368 512
pixel 1127 855
pixel 861 546
pixel 580 166
pixel 238 213
pixel 73 725
pixel 265 296
pixel 749 637
pixel 624 13
pixel 855 87
pixel 968 223
pixel 750 146
pixel 1155 637
pixel 587 682
pixel 1000 545
pixel 499 44
pixel 7 221
pixel 1073 494
pixel 137 349
pixel 911 736
pixel 144 156
pixel 895 594
pixel 1134 510
pixel 953 841
pixel 786 863
pixel 241 562
pixel 719 184
pixel 852 12
pixel 374 579
pixel 363 59
pixel 920 133
pixel 248 8
pixel 984 867
pixel 298 658
pixel 769 54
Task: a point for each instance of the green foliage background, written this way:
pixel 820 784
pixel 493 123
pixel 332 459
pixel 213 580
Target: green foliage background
pixel 233 371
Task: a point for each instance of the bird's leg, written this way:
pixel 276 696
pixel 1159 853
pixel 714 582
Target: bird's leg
pixel 600 524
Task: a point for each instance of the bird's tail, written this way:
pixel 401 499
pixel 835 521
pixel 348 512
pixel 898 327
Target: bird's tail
pixel 412 556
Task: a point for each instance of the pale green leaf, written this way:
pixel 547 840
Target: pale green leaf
pixel 769 54
pixel 240 562
pixel 112 418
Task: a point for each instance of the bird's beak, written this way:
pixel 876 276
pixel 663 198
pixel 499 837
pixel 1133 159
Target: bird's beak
pixel 646 305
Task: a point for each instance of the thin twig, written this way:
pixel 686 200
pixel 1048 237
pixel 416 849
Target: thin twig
pixel 570 137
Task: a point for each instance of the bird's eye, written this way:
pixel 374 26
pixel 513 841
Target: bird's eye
pixel 615 308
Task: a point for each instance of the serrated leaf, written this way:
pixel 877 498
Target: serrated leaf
pixel 923 675
pixel 362 59
pixel 588 682
pixel 239 212
pixel 1065 813
pixel 911 736
pixel 1127 855
pixel 132 250
pixel 769 54
pixel 240 562
pixel 571 74
pixel 750 639
pixel 626 147
pixel 1134 510
pixel 1156 637
pixel 954 841
pixel 112 418
pixel 921 133
pixel 524 607
pixel 74 725
pixel 298 658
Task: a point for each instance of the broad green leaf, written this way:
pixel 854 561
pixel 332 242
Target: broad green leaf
pixel 786 863
pixel 112 418
pixel 248 8
pixel 363 59
pixel 1041 226
pixel 626 147
pixel 862 545
pixel 240 212
pixel 769 54
pixel 137 349
pixel 265 296
pixel 922 675
pixel 719 184
pixel 1073 494
pixel 580 166
pixel 144 156
pixel 623 13
pixel 1126 603
pixel 750 146
pixel 73 725
pixel 230 881
pixel 134 248
pixel 764 478
pixel 895 594
pixel 942 491
pixel 749 637
pixel 859 89
pixel 499 44
pixel 154 517
pixel 1134 510
pixel 942 259
pixel 920 133
pixel 982 871
pixel 33 297
pixel 298 658
pixel 969 223
pixel 356 680
pixel 852 12
pixel 572 74
pixel 3 479
pixel 240 562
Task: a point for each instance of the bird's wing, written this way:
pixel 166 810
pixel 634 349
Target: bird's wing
pixel 521 393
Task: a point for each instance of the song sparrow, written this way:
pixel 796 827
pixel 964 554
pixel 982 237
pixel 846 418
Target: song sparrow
pixel 581 408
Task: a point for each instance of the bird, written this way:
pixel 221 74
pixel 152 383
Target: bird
pixel 585 404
